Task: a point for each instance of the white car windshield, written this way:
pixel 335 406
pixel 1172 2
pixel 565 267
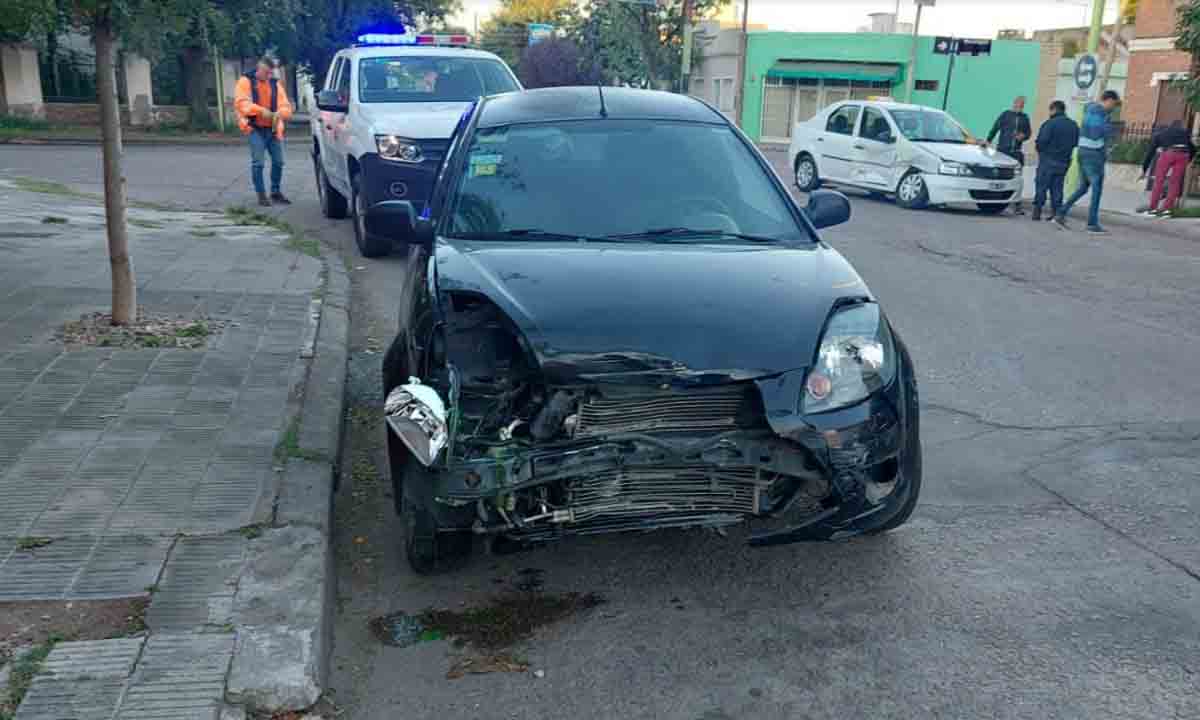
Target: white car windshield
pixel 430 79
pixel 929 126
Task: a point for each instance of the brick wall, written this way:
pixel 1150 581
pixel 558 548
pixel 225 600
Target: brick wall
pixel 1141 99
pixel 1156 18
pixel 88 114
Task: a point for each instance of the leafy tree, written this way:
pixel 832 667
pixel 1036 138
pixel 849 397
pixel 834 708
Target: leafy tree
pixel 555 62
pixel 23 19
pixel 636 44
pixel 1188 41
pixel 506 33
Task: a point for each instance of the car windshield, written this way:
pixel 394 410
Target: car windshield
pixel 430 79
pixel 929 126
pixel 628 180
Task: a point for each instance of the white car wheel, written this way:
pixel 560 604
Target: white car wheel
pixel 806 174
pixel 912 192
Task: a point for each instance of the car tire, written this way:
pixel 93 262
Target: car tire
pixel 990 208
pixel 806 176
pixel 430 549
pixel 369 244
pixel 910 503
pixel 333 203
pixel 911 193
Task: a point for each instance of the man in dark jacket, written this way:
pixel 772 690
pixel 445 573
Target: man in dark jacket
pixel 1056 141
pixel 1013 128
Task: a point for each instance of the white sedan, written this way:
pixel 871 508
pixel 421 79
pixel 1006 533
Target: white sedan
pixel 921 156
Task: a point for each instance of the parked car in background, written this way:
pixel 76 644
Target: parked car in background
pixel 616 318
pixel 919 155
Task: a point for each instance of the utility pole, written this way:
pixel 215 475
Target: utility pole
pixel 685 80
pixel 739 92
pixel 912 54
pixel 1092 46
pixel 896 19
pixel 1113 47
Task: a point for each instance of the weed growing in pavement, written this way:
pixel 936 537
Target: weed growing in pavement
pixel 33 543
pixel 1186 212
pixel 254 531
pixel 202 233
pixel 289 446
pixel 148 224
pixel 46 187
pixel 20 677
pixel 54 220
pixel 296 240
pixel 195 330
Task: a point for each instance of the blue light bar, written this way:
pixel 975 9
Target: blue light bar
pixel 386 39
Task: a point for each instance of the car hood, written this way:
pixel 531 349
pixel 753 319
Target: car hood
pixel 972 154
pixel 419 121
pixel 656 312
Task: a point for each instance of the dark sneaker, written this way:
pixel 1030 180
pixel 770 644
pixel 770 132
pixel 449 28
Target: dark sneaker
pixel 1037 214
pixel 1096 230
pixel 264 200
pixel 279 198
pixel 1061 221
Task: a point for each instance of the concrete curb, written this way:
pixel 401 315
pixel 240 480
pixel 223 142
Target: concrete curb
pixel 167 140
pixel 283 610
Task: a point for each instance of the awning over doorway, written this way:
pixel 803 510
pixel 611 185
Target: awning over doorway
pixel 863 72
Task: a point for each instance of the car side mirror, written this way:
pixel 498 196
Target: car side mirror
pixel 827 208
pixel 392 218
pixel 423 232
pixel 330 101
pixel 889 139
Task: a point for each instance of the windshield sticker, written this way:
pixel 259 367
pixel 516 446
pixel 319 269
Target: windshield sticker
pixel 492 138
pixel 484 165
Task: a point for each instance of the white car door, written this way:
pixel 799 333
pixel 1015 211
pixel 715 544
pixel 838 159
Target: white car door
pixel 334 129
pixel 874 150
pixel 836 145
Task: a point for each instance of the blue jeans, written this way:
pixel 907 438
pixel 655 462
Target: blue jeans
pixel 1091 177
pixel 262 143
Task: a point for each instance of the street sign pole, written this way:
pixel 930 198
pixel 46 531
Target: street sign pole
pixel 950 73
pixel 1093 45
pixel 912 55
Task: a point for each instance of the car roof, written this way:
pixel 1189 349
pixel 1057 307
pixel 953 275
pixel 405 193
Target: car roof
pixel 583 102
pixel 887 105
pixel 373 51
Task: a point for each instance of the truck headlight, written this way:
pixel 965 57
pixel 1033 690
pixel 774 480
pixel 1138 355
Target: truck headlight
pixel 953 168
pixel 397 148
pixel 857 357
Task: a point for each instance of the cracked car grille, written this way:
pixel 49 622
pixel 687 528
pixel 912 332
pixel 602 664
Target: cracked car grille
pixel 699 410
pixel 685 494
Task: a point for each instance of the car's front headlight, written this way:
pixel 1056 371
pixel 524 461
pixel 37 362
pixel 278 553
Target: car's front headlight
pixel 397 148
pixel 953 168
pixel 857 357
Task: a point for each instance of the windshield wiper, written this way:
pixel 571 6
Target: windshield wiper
pixel 683 232
pixel 521 234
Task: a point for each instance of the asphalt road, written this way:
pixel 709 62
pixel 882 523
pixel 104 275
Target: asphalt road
pixel 1051 571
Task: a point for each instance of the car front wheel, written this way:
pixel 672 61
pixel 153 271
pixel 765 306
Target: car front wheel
pixel 912 193
pixel 369 244
pixel 807 178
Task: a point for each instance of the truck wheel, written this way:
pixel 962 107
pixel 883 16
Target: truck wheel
pixel 369 244
pixel 912 193
pixel 333 203
pixel 807 178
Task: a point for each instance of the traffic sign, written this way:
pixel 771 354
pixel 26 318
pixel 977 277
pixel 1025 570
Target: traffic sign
pixel 1086 68
pixel 974 47
pixel 943 45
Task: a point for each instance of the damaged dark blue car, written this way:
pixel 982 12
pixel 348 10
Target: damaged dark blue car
pixel 616 318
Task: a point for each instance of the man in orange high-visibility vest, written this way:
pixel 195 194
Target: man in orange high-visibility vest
pixel 263 111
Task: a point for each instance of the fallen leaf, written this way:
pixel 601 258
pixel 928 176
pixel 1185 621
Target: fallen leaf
pixel 485 664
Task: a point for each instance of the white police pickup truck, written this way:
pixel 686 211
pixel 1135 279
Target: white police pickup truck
pixel 387 110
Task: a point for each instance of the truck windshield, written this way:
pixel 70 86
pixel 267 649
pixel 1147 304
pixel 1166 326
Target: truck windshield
pixel 619 180
pixel 929 126
pixel 430 79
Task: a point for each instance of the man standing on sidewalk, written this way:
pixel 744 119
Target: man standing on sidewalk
pixel 1013 128
pixel 1055 144
pixel 263 111
pixel 1093 141
pixel 1177 151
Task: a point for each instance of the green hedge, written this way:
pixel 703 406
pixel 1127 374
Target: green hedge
pixel 1130 152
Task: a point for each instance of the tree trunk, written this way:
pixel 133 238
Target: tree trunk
pixel 124 290
pixel 197 86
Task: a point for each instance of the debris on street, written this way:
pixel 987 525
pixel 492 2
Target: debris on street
pixel 149 331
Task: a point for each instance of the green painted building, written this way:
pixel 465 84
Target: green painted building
pixel 792 76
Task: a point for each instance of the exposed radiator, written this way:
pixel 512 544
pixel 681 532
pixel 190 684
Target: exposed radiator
pixel 661 493
pixel 699 410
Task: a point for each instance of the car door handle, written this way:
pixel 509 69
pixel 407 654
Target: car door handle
pixel 860 147
pixel 820 139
